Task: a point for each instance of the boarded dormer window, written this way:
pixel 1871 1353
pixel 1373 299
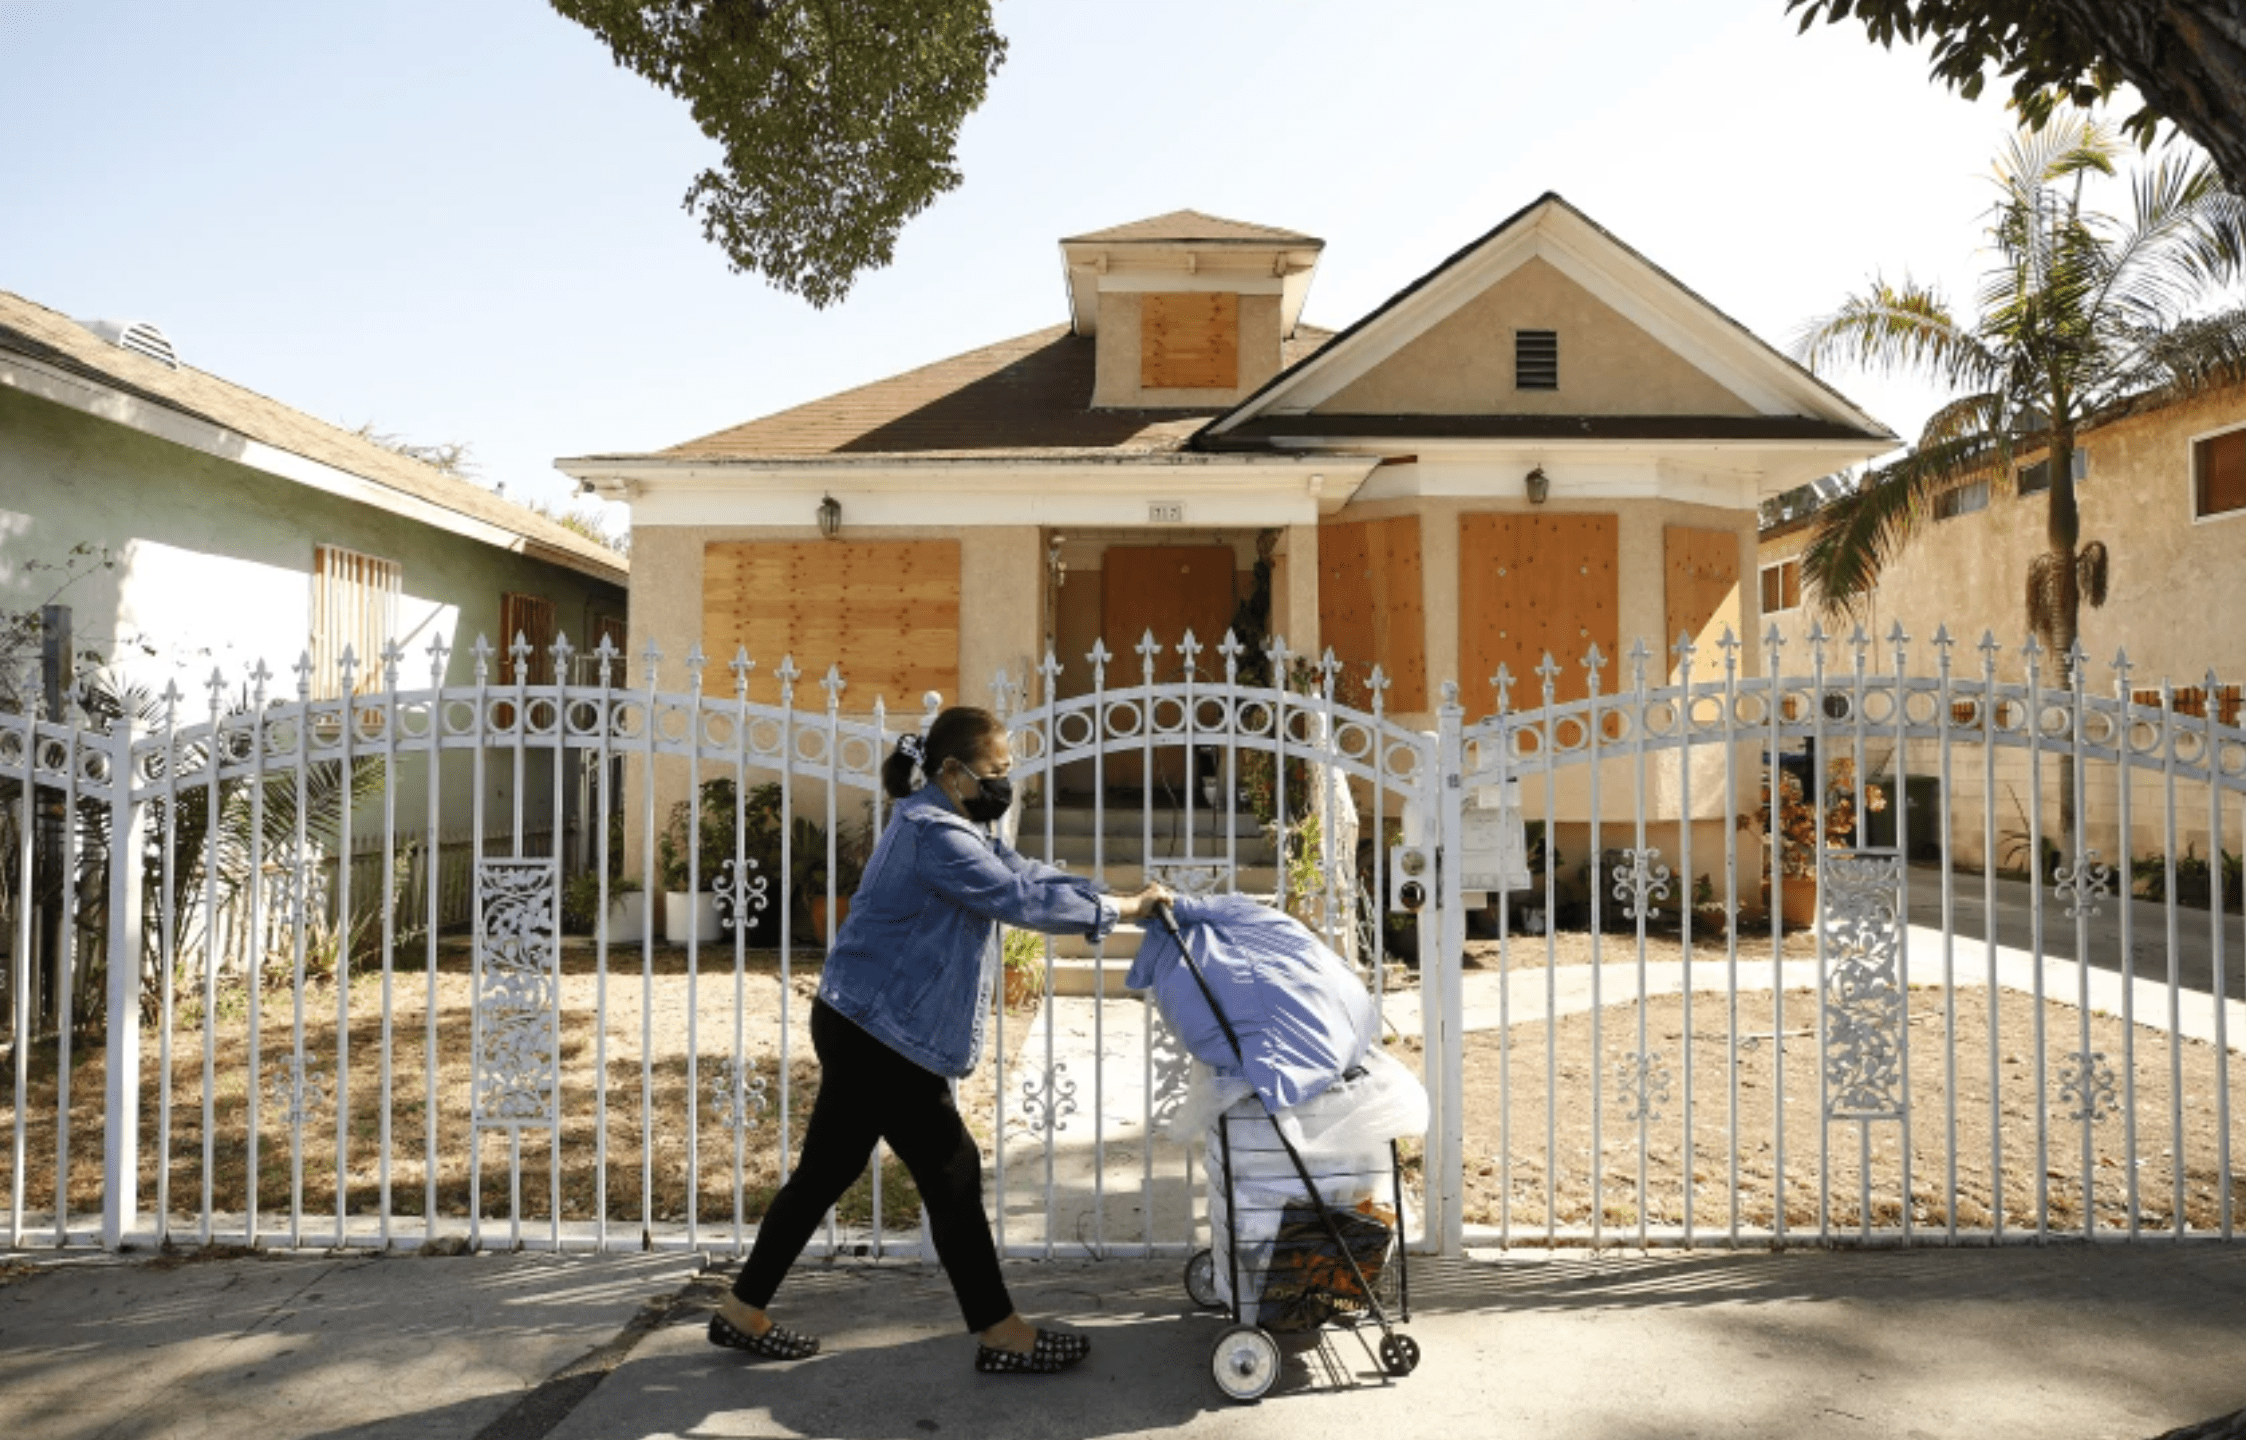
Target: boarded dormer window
pixel 1189 341
pixel 1536 359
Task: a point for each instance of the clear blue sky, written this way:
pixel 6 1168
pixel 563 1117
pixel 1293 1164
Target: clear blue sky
pixel 458 220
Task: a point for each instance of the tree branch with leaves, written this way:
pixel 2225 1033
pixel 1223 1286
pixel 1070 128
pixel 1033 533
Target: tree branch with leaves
pixel 839 119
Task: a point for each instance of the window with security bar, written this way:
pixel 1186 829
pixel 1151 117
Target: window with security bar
pixel 354 607
pixel 531 618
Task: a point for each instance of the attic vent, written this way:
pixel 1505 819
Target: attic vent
pixel 1536 359
pixel 140 337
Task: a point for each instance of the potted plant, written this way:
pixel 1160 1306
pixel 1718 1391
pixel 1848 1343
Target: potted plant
pixel 708 828
pixel 808 847
pixel 625 920
pixel 1800 833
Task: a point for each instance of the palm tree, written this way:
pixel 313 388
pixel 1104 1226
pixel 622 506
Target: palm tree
pixel 2082 310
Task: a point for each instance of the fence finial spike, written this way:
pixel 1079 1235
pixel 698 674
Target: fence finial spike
pixel 1188 646
pixel 1450 695
pixel 392 654
pixel 788 674
pixel 1378 682
pixel 2031 652
pixel 1684 649
pixel 1549 670
pixel 605 655
pixel 1988 645
pixel 171 696
pixel 216 685
pixel 2076 656
pixel 1148 647
pixel 1898 637
pixel 1502 682
pixel 347 669
pixel 741 665
pixel 1817 633
pixel 653 655
pixel 303 669
pixel 1942 640
pixel 483 653
pixel 1098 656
pixel 1230 647
pixel 2121 659
pixel 1594 661
pixel 439 655
pixel 1276 649
pixel 563 651
pixel 834 685
pixel 696 661
pixel 1049 667
pixel 1774 639
pixel 259 675
pixel 520 653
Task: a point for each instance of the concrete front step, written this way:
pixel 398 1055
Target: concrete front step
pixel 1127 874
pixel 1080 976
pixel 1077 852
pixel 1130 821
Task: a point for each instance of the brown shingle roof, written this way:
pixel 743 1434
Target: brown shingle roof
pixel 1180 226
pixel 1027 397
pixel 31 329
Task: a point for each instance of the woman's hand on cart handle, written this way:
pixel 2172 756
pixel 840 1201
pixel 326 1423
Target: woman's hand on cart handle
pixel 1141 906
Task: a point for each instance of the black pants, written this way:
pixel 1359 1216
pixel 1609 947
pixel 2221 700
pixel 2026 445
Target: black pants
pixel 869 1091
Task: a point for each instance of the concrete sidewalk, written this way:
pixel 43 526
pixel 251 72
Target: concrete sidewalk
pixel 2069 1341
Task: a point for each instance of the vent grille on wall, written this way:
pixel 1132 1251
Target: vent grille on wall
pixel 1536 359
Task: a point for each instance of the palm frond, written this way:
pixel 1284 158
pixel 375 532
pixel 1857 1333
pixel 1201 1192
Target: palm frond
pixel 2091 565
pixel 1859 535
pixel 1898 329
pixel 2189 357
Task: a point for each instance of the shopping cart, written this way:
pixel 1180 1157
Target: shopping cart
pixel 1326 1265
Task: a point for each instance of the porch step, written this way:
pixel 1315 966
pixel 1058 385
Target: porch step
pixel 1080 978
pixel 1078 851
pixel 1128 821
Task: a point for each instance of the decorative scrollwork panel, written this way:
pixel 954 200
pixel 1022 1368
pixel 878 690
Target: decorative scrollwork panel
pixel 1865 1004
pixel 518 993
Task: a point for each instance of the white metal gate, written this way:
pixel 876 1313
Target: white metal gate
pixel 302 1046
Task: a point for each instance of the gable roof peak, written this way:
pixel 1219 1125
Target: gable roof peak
pixel 1192 227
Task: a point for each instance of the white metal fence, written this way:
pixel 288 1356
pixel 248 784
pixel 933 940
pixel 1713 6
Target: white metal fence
pixel 1625 1045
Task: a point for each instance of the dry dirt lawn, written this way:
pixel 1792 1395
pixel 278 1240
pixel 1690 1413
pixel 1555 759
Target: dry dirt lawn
pixel 651 1019
pixel 1507 1087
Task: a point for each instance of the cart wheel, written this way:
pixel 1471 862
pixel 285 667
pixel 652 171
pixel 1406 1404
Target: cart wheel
pixel 1399 1354
pixel 1245 1363
pixel 1201 1281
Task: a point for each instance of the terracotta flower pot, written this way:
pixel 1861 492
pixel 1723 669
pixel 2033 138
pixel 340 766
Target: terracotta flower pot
pixel 819 930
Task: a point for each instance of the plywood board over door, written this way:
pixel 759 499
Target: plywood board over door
pixel 1701 594
pixel 1166 590
pixel 1532 585
pixel 1372 608
pixel 886 612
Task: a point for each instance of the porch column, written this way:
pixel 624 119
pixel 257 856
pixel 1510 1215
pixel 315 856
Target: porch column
pixel 1294 589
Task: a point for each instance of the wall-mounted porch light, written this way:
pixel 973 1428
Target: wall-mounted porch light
pixel 830 517
pixel 1539 485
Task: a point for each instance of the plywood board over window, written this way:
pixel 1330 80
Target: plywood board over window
pixel 886 612
pixel 1701 591
pixel 1532 585
pixel 1189 341
pixel 354 609
pixel 1372 607
pixel 529 618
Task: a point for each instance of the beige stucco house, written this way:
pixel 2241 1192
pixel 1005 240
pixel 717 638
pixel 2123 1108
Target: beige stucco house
pixel 1544 443
pixel 2162 483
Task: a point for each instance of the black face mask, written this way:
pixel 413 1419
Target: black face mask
pixel 993 797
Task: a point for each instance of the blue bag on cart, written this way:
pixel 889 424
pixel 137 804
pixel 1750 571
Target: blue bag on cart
pixel 1302 1014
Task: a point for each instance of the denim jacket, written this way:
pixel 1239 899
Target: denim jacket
pixel 917 960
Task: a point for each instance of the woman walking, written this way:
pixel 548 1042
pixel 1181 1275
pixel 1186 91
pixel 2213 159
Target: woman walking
pixel 901 1009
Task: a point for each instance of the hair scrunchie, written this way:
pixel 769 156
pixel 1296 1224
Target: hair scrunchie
pixel 913 748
